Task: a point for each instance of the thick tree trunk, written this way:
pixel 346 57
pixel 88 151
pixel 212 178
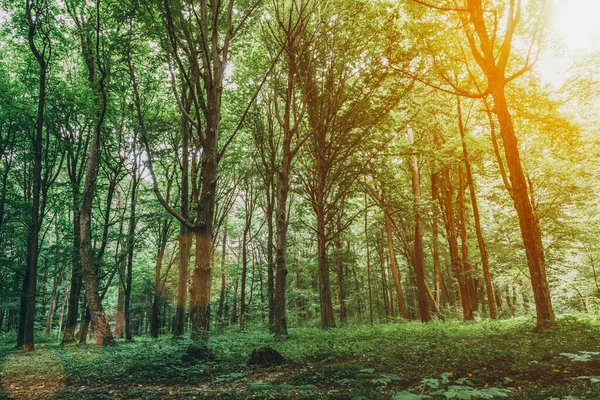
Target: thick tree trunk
pixel 532 238
pixel 281 271
pixel 326 303
pixel 201 278
pixel 200 288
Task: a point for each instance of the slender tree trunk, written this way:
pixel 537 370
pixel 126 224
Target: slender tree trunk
pixel 120 320
pixel 131 244
pixel 437 268
pixel 368 263
pixel 155 320
pixel 341 274
pixel 53 296
pixel 76 272
pixel 463 290
pixel 234 316
pixel 243 285
pixel 185 237
pixel 30 285
pixel 485 266
pixel 326 303
pixel 384 287
pixel 419 260
pixel 394 267
pixel 270 263
pixel 462 226
pixel 63 308
pixel 223 281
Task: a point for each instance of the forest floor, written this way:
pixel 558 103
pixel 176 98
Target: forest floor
pixel 483 359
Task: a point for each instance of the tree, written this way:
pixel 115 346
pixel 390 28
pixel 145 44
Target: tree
pixel 491 47
pixel 90 49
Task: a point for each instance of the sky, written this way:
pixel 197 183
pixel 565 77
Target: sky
pixel 576 26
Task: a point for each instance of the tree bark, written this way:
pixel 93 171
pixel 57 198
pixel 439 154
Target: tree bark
pixel 370 293
pixel 394 267
pixel 457 266
pixel 90 277
pixel 494 67
pixel 36 214
pixel 419 260
pixel 223 281
pixel 479 232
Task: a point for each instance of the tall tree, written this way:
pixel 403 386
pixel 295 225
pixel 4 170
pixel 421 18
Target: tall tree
pixel 89 31
pixel 491 46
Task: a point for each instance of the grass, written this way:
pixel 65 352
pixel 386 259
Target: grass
pixel 354 362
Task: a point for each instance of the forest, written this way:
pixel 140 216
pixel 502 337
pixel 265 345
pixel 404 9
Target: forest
pixel 345 199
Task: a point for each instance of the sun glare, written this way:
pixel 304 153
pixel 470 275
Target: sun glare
pixel 576 23
pixel 575 26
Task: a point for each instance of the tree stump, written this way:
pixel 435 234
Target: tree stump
pixel 266 357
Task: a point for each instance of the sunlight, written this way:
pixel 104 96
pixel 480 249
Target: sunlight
pixel 576 23
pixel 574 26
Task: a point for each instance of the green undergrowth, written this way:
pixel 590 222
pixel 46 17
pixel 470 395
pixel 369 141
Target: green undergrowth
pixel 484 359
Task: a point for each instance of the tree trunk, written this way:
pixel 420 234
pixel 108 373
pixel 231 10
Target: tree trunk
pixel 36 213
pixel 155 320
pixel 326 303
pixel 185 237
pixel 394 267
pixel 120 320
pixel 530 231
pixel 281 271
pixel 234 316
pixel 222 295
pixel 76 272
pixel 339 267
pixel 368 264
pixel 131 242
pixel 455 260
pixel 53 296
pixel 462 225
pixel 480 239
pixel 419 260
pixel 99 320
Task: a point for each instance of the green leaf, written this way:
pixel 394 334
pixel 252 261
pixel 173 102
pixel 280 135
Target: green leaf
pixel 284 387
pixel 404 395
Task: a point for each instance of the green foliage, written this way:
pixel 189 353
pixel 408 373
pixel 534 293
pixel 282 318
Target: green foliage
pixel 461 388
